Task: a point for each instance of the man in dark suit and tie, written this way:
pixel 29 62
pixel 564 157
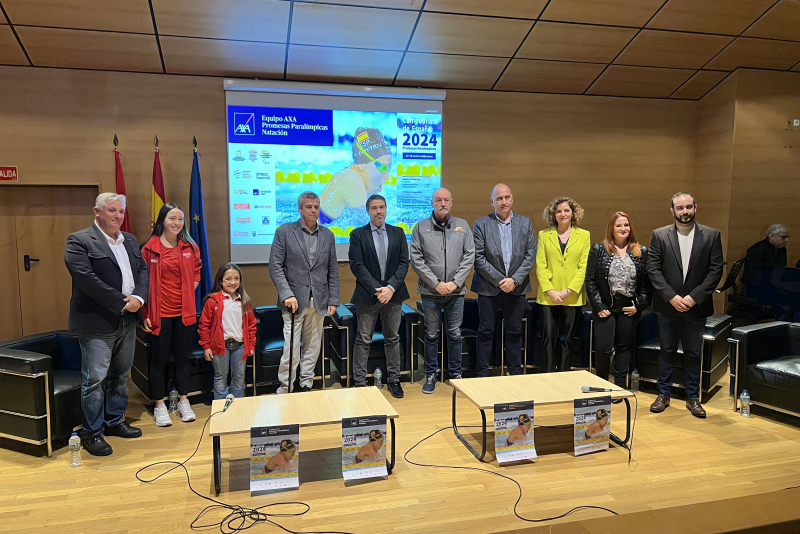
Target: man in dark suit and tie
pixel 110 281
pixel 505 252
pixel 379 260
pixel 684 265
pixel 302 263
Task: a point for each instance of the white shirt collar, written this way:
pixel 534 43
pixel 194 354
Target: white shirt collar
pixel 114 241
pixel 373 227
pixel 507 221
pixel 225 296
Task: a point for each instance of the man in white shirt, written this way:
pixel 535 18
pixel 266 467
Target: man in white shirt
pixel 110 282
pixel 684 265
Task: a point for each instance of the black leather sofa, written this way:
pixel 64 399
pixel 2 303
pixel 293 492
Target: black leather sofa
pixel 341 340
pixel 714 353
pixel 766 360
pixel 40 381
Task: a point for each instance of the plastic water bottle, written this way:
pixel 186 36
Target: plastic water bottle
pixel 635 380
pixel 745 399
pixel 173 401
pixel 378 375
pixel 74 450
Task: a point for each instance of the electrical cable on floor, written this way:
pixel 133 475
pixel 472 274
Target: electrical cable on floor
pixel 239 518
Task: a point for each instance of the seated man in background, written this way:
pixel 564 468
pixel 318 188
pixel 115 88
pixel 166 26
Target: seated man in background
pixel 769 252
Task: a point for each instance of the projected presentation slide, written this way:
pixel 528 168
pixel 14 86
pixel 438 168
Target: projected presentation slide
pixel 276 153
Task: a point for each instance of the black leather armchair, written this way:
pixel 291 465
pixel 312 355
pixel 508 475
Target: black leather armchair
pixel 714 352
pixel 767 364
pixel 202 372
pixel 40 388
pixel 342 336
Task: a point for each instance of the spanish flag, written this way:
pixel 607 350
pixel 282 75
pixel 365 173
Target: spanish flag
pixel 158 190
pixel 363 136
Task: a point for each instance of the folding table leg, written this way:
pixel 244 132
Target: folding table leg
pixel 624 442
pixel 462 439
pixel 217 466
pixel 390 463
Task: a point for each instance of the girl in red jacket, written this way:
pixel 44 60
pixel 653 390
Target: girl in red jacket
pixel 174 262
pixel 228 330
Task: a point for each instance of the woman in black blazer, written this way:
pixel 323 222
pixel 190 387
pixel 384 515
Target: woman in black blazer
pixel 618 290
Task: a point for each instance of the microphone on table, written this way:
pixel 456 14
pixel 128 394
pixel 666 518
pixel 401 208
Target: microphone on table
pixel 228 401
pixel 587 389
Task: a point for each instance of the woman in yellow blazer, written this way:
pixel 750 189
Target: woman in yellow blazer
pixel 561 269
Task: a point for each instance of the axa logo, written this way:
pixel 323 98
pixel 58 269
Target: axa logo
pixel 241 206
pixel 242 219
pixel 244 124
pixel 241 192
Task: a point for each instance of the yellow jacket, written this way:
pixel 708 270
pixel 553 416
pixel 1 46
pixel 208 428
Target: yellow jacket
pixel 567 271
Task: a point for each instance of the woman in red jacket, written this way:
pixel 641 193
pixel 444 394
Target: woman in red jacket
pixel 174 262
pixel 228 330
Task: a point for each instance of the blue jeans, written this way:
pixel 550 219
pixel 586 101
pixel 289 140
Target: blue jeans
pixel 105 366
pixel 671 331
pixel 453 309
pixel 237 365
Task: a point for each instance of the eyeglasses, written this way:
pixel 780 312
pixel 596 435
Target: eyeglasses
pixel 382 167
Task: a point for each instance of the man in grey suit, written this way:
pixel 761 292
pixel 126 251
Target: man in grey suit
pixel 684 265
pixel 302 263
pixel 505 251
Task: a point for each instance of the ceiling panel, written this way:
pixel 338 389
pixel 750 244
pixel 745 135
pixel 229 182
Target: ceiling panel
pixel 10 51
pixel 730 17
pixel 244 20
pixel 699 84
pixel 780 22
pixel 127 16
pixel 620 80
pixel 464 34
pixel 523 9
pixel 575 42
pixel 359 27
pixel 394 4
pixel 757 53
pixel 189 55
pixel 653 48
pixel 342 64
pixel 82 49
pixel 448 71
pixel 548 76
pixel 612 12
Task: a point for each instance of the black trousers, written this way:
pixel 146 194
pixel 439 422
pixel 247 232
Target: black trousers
pixel 614 333
pixel 558 329
pixel 174 338
pixel 512 307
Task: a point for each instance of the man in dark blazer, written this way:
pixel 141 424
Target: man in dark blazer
pixel 302 264
pixel 110 281
pixel 684 265
pixel 505 252
pixel 379 261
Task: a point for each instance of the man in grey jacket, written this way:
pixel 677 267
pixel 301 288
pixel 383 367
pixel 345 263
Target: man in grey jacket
pixel 302 263
pixel 505 251
pixel 442 252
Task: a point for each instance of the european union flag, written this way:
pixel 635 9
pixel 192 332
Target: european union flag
pixel 197 229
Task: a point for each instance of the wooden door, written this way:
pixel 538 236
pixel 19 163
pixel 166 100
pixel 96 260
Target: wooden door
pixel 44 217
pixel 10 313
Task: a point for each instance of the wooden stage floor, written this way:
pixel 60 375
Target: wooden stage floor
pixel 677 460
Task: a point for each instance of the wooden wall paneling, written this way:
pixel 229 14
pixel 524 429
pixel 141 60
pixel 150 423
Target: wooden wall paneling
pixel 11 322
pixel 765 168
pixel 575 42
pixel 10 51
pixel 462 34
pixel 730 17
pixel 780 22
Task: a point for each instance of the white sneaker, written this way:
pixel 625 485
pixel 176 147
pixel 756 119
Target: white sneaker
pixel 161 415
pixel 185 409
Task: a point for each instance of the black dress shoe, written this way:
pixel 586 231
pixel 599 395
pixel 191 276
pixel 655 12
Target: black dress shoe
pixel 305 388
pixel 97 446
pixel 396 390
pixel 123 430
pixel 660 404
pixel 693 405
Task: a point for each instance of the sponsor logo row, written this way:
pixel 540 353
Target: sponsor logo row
pixel 255 207
pixel 252 155
pixel 256 192
pixel 238 173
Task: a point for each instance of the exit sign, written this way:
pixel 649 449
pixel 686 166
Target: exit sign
pixel 8 174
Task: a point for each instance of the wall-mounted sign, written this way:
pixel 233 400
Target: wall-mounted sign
pixel 8 174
